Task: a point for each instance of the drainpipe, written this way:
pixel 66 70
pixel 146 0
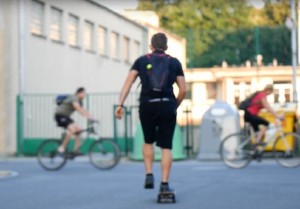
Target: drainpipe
pixel 21 47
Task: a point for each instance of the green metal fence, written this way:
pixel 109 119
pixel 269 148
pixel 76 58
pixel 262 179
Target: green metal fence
pixel 36 123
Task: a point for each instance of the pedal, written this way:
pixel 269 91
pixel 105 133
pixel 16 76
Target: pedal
pixel 288 155
pixel 70 156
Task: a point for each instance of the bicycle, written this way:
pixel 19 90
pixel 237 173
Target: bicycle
pixel 238 149
pixel 103 153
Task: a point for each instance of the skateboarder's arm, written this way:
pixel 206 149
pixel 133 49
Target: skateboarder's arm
pixel 132 75
pixel 180 80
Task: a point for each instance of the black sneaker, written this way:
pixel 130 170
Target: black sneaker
pixel 257 155
pixel 164 188
pixel 288 155
pixel 149 181
pixel 60 154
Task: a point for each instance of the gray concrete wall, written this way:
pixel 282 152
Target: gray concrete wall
pixel 58 68
pixel 2 107
pixel 9 75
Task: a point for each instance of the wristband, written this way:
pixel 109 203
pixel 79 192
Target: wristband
pixel 121 106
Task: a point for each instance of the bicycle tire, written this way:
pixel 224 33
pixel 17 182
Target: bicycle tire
pixel 233 155
pixel 104 154
pixel 47 155
pixel 285 155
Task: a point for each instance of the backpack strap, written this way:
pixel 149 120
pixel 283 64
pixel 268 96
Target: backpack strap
pixel 252 97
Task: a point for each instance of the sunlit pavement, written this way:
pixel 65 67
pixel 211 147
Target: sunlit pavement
pixel 207 185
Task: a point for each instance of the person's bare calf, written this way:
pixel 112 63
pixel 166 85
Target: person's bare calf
pixel 148 154
pixel 72 129
pixel 77 142
pixel 166 164
pixel 261 133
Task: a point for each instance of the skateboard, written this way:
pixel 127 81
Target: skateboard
pixel 166 197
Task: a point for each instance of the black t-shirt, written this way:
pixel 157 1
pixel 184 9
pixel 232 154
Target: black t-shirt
pixel 175 69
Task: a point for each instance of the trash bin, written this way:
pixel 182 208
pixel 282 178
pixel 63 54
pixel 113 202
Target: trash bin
pixel 219 121
pixel 288 124
pixel 138 141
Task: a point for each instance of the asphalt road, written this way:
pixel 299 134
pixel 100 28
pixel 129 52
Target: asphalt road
pixel 207 185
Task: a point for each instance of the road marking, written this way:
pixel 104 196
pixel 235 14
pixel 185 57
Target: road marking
pixel 8 174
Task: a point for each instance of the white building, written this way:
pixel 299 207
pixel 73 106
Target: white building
pixel 55 46
pixel 233 85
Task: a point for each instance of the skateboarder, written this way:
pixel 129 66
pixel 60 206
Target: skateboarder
pixel 158 104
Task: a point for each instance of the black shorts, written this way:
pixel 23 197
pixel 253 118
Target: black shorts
pixel 158 120
pixel 63 121
pixel 255 121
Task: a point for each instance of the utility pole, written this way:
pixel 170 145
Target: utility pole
pixel 294 50
pixel 291 24
pixel 298 13
pixel 257 52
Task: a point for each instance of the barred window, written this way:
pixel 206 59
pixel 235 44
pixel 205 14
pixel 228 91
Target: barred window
pixel 288 95
pixel 88 37
pixel 114 45
pixel 37 18
pixel 102 40
pixel 73 30
pixel 126 50
pixel 137 49
pixel 56 24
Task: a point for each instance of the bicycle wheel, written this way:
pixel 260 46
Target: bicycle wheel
pixel 48 157
pixel 287 150
pixel 104 154
pixel 236 150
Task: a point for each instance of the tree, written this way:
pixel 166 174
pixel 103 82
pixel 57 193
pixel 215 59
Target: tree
pixel 204 14
pixel 223 30
pixel 276 12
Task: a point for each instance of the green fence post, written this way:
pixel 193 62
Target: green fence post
pixel 88 103
pixel 127 112
pixel 130 134
pixel 19 126
pixel 115 123
pixel 257 51
pixel 191 48
pixel 88 109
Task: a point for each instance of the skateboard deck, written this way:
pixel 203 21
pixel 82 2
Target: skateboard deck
pixel 166 197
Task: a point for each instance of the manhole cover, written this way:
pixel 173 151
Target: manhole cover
pixel 7 174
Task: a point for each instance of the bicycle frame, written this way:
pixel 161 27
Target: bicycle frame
pixel 90 130
pixel 238 149
pixel 270 140
pixel 102 153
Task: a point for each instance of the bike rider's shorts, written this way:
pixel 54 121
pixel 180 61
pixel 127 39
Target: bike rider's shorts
pixel 255 121
pixel 63 121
